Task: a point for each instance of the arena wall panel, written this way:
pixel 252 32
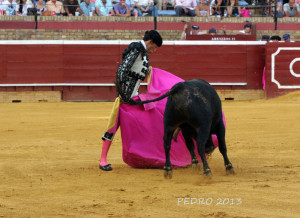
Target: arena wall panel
pixel 85 70
pixel 282 68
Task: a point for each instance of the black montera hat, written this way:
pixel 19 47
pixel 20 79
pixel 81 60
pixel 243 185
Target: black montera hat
pixel 154 36
pixel 276 38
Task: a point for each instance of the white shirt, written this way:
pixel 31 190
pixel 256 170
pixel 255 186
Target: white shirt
pixel 144 2
pixel 26 6
pixel 9 10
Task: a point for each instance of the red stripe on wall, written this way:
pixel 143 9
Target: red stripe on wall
pixel 17 24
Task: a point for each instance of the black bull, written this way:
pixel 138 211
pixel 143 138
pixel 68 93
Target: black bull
pixel 195 108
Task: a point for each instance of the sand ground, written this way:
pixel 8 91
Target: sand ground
pixel 49 156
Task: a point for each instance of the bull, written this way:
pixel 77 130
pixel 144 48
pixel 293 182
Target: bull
pixel 195 108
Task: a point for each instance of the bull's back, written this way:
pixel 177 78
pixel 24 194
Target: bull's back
pixel 194 98
pixel 197 90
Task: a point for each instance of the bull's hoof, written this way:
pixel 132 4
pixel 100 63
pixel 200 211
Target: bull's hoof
pixel 207 173
pixel 195 161
pixel 168 173
pixel 229 169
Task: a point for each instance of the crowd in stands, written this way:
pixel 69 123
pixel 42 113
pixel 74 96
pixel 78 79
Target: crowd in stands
pixel 126 8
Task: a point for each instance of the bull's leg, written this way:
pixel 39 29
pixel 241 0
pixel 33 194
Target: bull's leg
pixel 190 145
pixel 202 137
pixel 222 147
pixel 167 144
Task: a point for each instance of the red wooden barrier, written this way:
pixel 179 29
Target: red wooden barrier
pixel 85 70
pixel 282 68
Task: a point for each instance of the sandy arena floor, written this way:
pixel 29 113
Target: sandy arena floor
pixel 49 156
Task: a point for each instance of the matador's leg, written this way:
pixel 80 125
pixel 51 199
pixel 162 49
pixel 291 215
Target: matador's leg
pixel 112 127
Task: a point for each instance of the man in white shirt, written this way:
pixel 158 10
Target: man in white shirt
pixel 144 7
pixel 185 8
pixel 194 31
pixel 10 7
pixel 247 29
pixel 287 38
pixel 291 9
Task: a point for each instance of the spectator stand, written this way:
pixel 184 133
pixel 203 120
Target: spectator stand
pixel 168 12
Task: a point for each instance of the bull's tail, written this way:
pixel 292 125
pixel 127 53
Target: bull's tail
pixel 133 102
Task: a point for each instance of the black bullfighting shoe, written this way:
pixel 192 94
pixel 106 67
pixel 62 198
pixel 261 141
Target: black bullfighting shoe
pixel 106 167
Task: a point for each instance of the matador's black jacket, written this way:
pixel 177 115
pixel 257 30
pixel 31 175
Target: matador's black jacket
pixel 133 69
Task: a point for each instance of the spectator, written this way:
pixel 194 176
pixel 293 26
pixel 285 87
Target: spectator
pixel 10 7
pixel 212 31
pixel 122 9
pixel 40 6
pixel 166 3
pixel 279 9
pixel 158 4
pixel 185 8
pixel 23 6
pixel 265 38
pixel 202 9
pixel 233 8
pixel 194 31
pixel 287 38
pixel 104 8
pixel 86 7
pixel 275 39
pixel 55 6
pixel 247 29
pixel 144 7
pixel 291 9
pixel 218 7
pixel 270 8
pixel 131 4
pixel 71 6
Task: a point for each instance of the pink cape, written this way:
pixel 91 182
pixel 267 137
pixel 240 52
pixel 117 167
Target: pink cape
pixel 142 128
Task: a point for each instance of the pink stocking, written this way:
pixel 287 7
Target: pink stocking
pixel 105 148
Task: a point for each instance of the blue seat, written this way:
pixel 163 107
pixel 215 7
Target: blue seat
pixel 166 13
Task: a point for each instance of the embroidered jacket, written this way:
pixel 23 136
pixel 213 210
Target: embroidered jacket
pixel 133 69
